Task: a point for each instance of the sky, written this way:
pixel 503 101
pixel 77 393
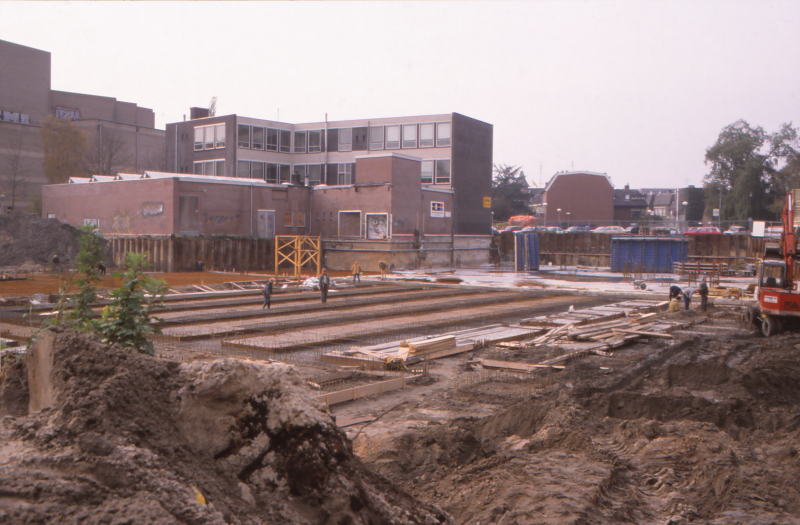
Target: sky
pixel 634 89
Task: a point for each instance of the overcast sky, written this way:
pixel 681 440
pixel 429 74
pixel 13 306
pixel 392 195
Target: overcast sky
pixel 635 89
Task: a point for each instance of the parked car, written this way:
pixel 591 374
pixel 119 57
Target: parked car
pixel 577 229
pixel 512 228
pixel 495 231
pixel 613 230
pixel 703 230
pixel 527 229
pixel 555 229
pixel 633 230
pixel 663 230
pixel 736 230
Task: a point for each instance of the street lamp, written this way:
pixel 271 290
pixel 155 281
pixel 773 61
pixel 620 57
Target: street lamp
pixel 685 223
pixel 545 213
pixel 567 219
pixel 559 217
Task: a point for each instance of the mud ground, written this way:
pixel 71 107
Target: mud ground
pixel 705 430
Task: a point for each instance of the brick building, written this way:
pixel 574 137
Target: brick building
pixel 588 198
pixel 454 151
pixel 26 100
pixel 630 206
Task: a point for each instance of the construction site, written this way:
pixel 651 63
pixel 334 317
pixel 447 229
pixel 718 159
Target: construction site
pixel 565 394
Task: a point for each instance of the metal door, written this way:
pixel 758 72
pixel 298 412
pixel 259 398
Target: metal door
pixel 266 224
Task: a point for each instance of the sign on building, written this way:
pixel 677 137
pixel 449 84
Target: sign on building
pixel 437 209
pixel 716 212
pixel 487 202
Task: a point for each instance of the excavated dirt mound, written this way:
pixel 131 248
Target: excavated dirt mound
pixel 27 240
pixel 136 440
pixel 705 431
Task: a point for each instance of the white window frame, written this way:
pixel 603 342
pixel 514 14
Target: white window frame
pixel 348 174
pixel 249 136
pixel 277 139
pixel 314 149
pixel 339 221
pixel 297 148
pixel 375 145
pixel 312 182
pixel 198 145
pixel 93 222
pixel 436 172
pixel 281 145
pixel 444 142
pixel 346 146
pixel 219 136
pixel 212 162
pixel 431 142
pixel 253 144
pixel 433 171
pixel 406 143
pixel 388 224
pixel 393 144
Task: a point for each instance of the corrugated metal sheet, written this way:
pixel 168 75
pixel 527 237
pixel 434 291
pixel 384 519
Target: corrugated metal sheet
pixel 650 254
pixel 526 252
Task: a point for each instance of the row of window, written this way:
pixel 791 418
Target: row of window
pixel 433 171
pixel 264 139
pixel 209 137
pixel 406 136
pixel 413 136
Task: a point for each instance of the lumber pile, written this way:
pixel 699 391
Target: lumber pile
pixel 428 346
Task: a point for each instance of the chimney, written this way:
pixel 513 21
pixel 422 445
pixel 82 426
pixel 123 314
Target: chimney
pixel 627 186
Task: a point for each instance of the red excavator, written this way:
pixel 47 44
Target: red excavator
pixel 776 293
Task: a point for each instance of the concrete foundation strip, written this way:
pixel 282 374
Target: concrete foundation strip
pixel 366 390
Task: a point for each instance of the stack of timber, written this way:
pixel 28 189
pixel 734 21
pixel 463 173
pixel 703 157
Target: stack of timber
pixel 428 348
pixel 602 329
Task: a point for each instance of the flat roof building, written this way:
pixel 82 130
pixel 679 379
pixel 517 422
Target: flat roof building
pixel 454 152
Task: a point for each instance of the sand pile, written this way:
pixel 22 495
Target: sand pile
pixel 28 240
pixel 705 431
pixel 132 439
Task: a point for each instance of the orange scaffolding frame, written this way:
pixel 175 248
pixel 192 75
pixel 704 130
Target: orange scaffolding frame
pixel 298 250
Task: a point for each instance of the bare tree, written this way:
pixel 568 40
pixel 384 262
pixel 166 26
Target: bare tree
pixel 212 107
pixel 64 146
pixel 108 155
pixel 155 161
pixel 15 169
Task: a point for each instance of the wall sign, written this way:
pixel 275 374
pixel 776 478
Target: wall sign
pixel 437 209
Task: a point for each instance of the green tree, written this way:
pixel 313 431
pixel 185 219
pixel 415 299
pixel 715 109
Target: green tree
pixel 744 162
pixel 64 149
pixel 508 198
pixel 127 320
pixel 89 258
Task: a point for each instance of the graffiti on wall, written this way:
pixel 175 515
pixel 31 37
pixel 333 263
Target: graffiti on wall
pixel 121 223
pixel 150 209
pixel 218 220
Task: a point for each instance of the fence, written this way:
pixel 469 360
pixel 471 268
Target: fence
pixel 594 249
pixel 171 253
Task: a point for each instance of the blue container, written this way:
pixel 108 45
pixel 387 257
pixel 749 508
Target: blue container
pixel 526 252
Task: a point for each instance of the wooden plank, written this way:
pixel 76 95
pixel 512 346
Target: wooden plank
pixel 371 389
pixel 639 332
pixel 512 366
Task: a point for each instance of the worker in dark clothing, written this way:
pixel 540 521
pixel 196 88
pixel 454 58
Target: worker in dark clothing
pixel 101 268
pixel 703 291
pixel 674 291
pixel 383 268
pixel 267 293
pixel 56 263
pixel 324 284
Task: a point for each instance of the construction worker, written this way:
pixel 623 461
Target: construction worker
pixel 703 291
pixel 687 296
pixel 384 268
pixel 356 272
pixel 674 291
pixel 324 284
pixel 267 293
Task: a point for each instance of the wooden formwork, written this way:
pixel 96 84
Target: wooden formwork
pixel 298 250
